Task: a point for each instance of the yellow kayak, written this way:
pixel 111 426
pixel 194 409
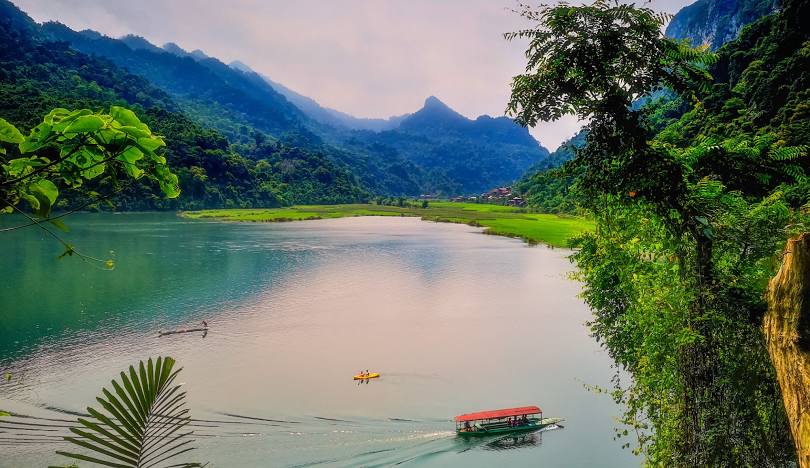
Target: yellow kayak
pixel 372 375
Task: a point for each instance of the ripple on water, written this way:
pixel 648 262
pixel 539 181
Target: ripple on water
pixel 455 321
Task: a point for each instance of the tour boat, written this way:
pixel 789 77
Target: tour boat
pixel 523 419
pixel 372 375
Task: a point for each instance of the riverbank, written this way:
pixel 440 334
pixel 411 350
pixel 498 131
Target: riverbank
pixel 534 228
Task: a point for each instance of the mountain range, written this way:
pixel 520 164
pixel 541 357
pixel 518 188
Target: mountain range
pixel 432 150
pixel 324 115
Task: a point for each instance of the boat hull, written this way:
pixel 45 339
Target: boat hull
pixel 532 426
pixel 373 375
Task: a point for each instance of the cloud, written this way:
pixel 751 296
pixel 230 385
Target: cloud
pixel 370 58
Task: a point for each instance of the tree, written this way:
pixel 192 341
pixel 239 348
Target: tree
pixel 673 270
pixel 595 62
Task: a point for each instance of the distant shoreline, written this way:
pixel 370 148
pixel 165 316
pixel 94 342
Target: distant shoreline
pixel 533 228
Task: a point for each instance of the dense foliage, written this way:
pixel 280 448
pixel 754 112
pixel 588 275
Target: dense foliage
pixel 549 185
pixel 691 213
pixel 71 148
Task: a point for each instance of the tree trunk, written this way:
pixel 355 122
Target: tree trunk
pixel 698 364
pixel 787 330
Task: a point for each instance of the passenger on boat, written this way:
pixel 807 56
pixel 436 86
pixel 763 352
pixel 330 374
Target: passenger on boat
pixel 467 427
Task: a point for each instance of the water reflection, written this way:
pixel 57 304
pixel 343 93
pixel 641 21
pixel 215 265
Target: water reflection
pixel 515 442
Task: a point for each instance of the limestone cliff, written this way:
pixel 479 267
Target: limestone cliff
pixel 787 330
pixel 715 22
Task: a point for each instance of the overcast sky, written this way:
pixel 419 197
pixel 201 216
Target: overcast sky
pixel 370 58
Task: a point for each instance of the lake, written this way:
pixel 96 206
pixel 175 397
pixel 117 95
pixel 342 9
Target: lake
pixel 455 321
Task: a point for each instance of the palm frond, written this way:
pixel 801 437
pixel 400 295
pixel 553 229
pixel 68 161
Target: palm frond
pixel 142 424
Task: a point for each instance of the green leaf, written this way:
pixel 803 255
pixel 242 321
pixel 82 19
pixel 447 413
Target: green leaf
pixel 46 193
pixel 135 132
pixel 133 171
pixel 61 122
pixel 32 200
pixel 152 143
pixel 59 225
pixel 37 138
pixel 9 133
pixel 146 429
pixel 56 115
pixel 85 124
pixel 29 146
pixel 20 166
pixel 125 117
pixel 94 171
pixel 131 155
pixel 110 135
pixel 129 158
pixel 45 187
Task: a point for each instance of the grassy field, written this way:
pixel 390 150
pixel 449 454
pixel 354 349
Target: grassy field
pixel 499 220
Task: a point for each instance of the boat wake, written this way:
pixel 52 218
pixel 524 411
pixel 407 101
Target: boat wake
pixel 293 442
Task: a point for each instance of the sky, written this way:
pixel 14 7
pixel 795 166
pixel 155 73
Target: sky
pixel 369 58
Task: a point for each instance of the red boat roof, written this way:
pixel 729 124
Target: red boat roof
pixel 501 413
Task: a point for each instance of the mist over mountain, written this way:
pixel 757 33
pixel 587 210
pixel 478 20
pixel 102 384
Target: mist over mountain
pixel 197 82
pixel 324 115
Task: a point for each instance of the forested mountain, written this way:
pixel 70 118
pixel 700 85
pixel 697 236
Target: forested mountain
pixel 434 150
pixel 459 155
pixel 715 22
pixel 251 113
pixel 325 115
pixel 474 154
pixel 37 75
pixel 206 88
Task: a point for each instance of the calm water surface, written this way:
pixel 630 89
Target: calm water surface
pixel 455 321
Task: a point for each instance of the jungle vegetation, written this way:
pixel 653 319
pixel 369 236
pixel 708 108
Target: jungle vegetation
pixel 692 209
